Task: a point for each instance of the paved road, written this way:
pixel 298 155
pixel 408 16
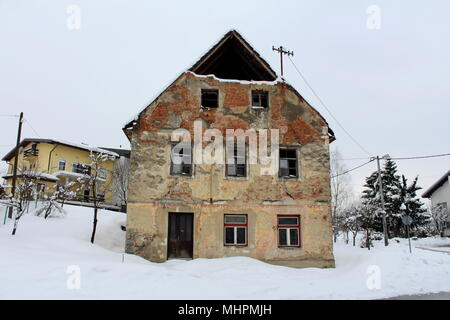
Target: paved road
pixel 432 296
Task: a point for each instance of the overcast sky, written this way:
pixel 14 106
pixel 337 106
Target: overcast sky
pixel 389 87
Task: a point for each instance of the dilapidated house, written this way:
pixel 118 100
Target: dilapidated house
pixel 191 209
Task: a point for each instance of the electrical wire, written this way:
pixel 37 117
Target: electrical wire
pixel 422 157
pixel 345 172
pixel 331 114
pixel 9 115
pixel 28 122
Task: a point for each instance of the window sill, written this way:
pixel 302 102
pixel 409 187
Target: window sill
pixel 181 176
pixel 289 247
pixel 235 245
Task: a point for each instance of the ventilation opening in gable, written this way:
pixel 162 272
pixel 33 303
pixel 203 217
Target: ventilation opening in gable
pixel 233 60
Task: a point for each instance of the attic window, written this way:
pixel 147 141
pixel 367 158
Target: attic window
pixel 234 58
pixel 210 98
pixel 260 99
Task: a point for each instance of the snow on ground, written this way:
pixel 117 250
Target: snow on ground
pixel 35 261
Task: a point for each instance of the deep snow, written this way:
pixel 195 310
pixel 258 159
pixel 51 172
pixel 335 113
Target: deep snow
pixel 35 261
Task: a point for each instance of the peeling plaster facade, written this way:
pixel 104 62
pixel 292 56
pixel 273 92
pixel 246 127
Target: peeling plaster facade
pixel 209 194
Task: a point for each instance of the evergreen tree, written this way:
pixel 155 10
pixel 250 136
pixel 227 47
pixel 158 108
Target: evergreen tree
pixel 411 206
pixel 400 199
pixel 391 194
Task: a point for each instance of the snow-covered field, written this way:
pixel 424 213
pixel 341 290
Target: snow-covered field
pixel 44 255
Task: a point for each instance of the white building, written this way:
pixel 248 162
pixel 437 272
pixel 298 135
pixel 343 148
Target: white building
pixel 439 195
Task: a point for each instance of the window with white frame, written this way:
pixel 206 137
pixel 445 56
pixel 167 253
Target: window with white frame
pixel 62 165
pixel 289 231
pixel 235 230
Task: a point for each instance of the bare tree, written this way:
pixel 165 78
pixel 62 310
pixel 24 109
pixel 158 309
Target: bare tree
pixel 25 190
pixel 93 180
pixel 61 194
pixel 368 214
pixel 64 192
pixel 120 180
pixel 354 220
pixel 439 216
pixel 341 192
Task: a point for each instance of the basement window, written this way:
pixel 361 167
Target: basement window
pixel 236 164
pixel 181 159
pixel 235 230
pixel 288 231
pixel 260 99
pixel 288 164
pixel 210 98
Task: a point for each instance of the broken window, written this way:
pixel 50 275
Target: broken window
pixel 260 99
pixel 181 159
pixel 210 98
pixel 288 163
pixel 289 231
pixel 235 230
pixel 236 164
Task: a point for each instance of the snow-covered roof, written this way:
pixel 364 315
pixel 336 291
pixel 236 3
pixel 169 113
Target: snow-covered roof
pixel 38 175
pixel 81 146
pixel 429 192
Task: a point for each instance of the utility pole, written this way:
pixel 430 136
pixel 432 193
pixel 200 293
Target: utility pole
pixel 282 51
pixel 16 158
pixel 380 182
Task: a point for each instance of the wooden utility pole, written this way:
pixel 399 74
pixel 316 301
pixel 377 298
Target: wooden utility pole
pixel 380 182
pixel 16 158
pixel 282 51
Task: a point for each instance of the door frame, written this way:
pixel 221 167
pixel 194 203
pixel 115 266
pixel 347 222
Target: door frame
pixel 168 231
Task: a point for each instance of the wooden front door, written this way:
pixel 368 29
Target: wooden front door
pixel 181 238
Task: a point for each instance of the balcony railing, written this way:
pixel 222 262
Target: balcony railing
pixel 30 153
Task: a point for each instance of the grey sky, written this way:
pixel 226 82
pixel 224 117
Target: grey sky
pixel 388 87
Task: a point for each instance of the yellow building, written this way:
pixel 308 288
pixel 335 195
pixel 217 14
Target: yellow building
pixel 56 162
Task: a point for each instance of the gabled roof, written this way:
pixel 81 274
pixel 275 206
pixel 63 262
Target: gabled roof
pixel 206 65
pixel 436 185
pixel 26 141
pixel 234 58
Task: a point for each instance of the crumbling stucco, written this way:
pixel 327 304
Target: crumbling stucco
pixel 209 194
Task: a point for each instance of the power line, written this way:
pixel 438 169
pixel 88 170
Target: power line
pixel 349 159
pixel 400 158
pixel 9 115
pixel 423 157
pixel 28 122
pixel 345 172
pixel 331 114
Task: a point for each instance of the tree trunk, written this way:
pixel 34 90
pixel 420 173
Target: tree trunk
pixel 16 220
pixel 368 239
pixel 95 224
pixel 354 239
